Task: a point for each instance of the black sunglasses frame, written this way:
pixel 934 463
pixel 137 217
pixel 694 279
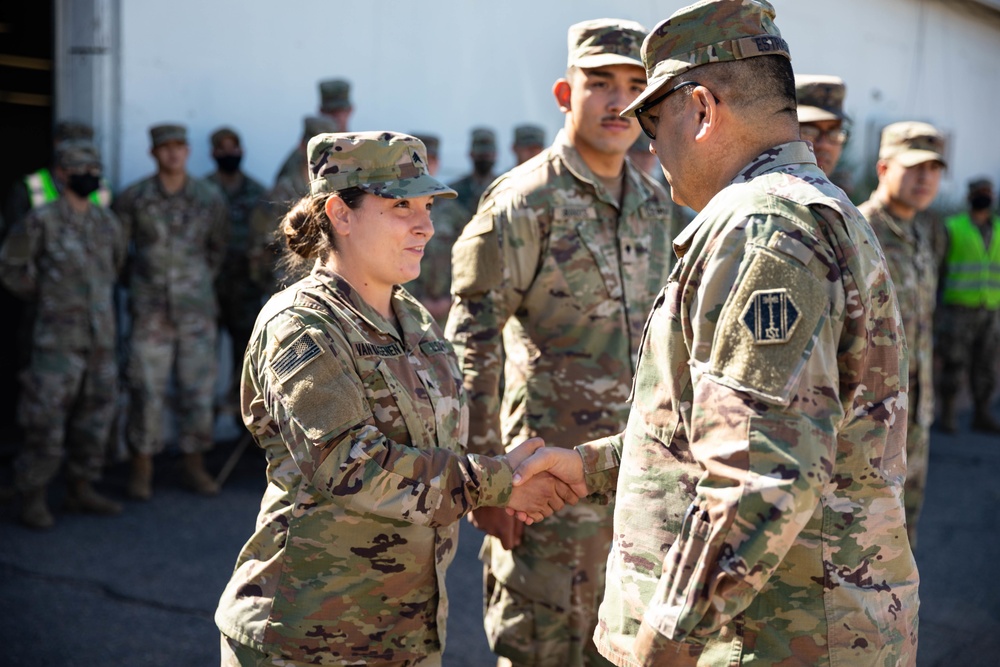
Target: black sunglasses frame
pixel 648 106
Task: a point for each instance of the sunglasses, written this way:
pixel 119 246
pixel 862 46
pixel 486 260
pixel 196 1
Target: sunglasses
pixel 647 122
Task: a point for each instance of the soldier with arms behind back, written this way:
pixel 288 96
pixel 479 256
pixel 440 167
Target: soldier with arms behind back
pixel 759 513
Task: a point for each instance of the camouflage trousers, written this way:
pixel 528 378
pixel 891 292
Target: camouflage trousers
pixel 235 654
pixel 158 347
pixel 67 406
pixel 968 343
pixel 918 447
pixel 541 599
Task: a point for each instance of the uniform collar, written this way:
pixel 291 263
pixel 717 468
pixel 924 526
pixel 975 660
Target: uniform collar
pixel 771 160
pixel 636 191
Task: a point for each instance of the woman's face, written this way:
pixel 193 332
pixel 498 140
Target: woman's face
pixel 384 241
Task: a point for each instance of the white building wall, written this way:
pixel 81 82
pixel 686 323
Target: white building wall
pixel 444 66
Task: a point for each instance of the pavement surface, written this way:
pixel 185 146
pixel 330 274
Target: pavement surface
pixel 140 589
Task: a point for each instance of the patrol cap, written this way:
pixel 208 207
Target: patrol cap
pixel 603 42
pixel 222 134
pixel 529 135
pixel 334 95
pixel 484 141
pixel 706 32
pixel 313 125
pixel 72 129
pixel 431 143
pixel 819 97
pixel 387 164
pixel 75 153
pixel 911 143
pixel 161 134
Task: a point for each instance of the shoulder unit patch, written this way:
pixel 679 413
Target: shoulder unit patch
pixel 770 316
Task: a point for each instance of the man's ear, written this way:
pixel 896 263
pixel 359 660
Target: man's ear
pixel 880 168
pixel 339 214
pixel 708 111
pixel 561 91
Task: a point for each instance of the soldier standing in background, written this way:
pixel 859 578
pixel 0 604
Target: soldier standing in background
pixel 910 165
pixel 557 271
pixel 820 105
pixel 483 153
pixel 264 245
pixel 240 298
pixel 177 226
pixel 335 104
pixel 759 481
pixel 969 333
pixel 529 141
pixel 433 287
pixel 64 257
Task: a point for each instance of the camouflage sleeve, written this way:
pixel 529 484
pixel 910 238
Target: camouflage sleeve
pixel 601 460
pixel 493 263
pixel 763 423
pixel 311 388
pixel 18 272
pixel 118 248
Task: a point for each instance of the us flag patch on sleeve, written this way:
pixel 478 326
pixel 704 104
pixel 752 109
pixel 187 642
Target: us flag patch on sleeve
pixel 296 357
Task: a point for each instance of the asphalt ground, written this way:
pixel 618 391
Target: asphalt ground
pixel 140 589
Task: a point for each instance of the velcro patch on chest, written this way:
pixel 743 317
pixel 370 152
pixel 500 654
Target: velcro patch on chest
pixel 297 356
pixel 770 316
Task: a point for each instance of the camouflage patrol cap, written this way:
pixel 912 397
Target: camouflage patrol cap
pixel 819 97
pixel 75 153
pixel 313 125
pixel 911 143
pixel 484 141
pixel 529 135
pixel 334 95
pixel 387 164
pixel 222 134
pixel 161 134
pixel 706 32
pixel 603 42
pixel 66 130
pixel 431 143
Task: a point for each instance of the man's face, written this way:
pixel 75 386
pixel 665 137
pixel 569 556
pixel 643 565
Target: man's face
pixel 912 187
pixel 171 156
pixel 827 138
pixel 341 117
pixel 525 153
pixel 227 146
pixel 597 96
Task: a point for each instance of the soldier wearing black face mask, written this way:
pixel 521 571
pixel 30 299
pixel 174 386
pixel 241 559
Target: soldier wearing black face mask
pixel 64 258
pixel 239 298
pixel 969 340
pixel 483 154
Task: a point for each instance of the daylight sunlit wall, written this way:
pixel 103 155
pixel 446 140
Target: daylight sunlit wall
pixel 445 66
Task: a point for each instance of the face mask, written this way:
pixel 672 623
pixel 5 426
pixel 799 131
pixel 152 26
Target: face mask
pixel 980 202
pixel 483 166
pixel 83 184
pixel 229 163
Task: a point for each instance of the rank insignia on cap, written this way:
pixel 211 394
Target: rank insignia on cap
pixel 770 316
pixel 295 357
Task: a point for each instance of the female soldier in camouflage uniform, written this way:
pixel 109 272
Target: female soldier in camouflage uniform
pixel 357 401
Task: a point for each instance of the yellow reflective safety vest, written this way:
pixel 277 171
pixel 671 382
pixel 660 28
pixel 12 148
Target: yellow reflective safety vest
pixel 42 190
pixel 973 275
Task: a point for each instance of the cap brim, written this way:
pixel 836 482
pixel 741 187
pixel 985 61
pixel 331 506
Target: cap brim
pixel 606 60
pixel 912 158
pixel 809 114
pixel 421 186
pixel 653 88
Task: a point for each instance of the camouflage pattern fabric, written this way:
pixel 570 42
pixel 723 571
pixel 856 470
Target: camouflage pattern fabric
pixel 759 515
pixel 553 274
pixel 434 281
pixel 470 189
pixel 364 430
pixel 913 268
pixel 293 164
pixel 265 246
pixel 968 345
pixel 66 264
pixel 239 297
pixel 179 242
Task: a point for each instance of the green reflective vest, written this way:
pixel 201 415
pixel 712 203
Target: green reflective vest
pixel 973 277
pixel 42 190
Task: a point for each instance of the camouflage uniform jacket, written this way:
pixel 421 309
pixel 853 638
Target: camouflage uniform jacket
pixel 177 242
pixel 264 243
pixel 293 163
pixel 67 264
pixel 759 516
pixel 568 277
pixel 913 268
pixel 470 189
pixel 364 431
pixel 241 203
